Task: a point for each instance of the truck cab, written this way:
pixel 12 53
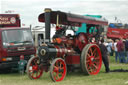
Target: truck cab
pixel 15 41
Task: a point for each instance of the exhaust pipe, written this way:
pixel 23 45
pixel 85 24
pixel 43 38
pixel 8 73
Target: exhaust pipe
pixel 47 24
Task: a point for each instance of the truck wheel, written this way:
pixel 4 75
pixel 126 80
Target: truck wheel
pixel 34 69
pixel 58 70
pixel 91 59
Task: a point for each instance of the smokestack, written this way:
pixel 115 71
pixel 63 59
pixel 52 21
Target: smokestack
pixel 47 24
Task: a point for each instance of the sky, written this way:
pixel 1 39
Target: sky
pixel 29 10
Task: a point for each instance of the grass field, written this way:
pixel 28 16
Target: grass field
pixel 75 78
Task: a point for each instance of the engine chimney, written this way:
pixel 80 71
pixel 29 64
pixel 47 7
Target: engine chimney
pixel 47 24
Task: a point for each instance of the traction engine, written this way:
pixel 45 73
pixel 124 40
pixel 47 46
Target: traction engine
pixel 64 52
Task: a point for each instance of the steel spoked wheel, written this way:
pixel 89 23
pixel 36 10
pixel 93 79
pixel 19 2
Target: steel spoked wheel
pixel 91 59
pixel 34 69
pixel 58 70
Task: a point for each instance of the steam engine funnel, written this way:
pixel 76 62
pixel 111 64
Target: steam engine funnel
pixel 47 24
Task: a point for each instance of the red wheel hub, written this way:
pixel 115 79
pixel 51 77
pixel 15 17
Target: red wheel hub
pixel 35 67
pixel 90 60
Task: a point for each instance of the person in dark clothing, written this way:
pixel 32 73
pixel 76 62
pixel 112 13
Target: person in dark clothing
pixel 120 48
pixel 126 49
pixel 126 44
pixel 104 53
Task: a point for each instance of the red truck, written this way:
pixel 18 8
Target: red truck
pixel 15 41
pixel 115 33
pixel 117 30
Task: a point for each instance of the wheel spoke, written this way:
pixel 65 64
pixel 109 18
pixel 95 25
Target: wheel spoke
pixel 58 76
pixel 55 67
pixel 94 51
pixel 94 65
pixel 88 55
pixel 53 72
pixel 61 73
pixel 97 58
pixel 95 54
pixel 55 76
pixel 32 73
pixel 57 63
pixel 35 62
pixel 88 61
pixel 91 51
pixel 36 73
pixel 90 69
pixel 60 64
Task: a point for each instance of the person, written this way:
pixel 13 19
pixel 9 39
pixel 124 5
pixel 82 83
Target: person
pixel 39 40
pixel 115 50
pixel 93 40
pixel 126 49
pixel 22 63
pixel 120 48
pixel 112 48
pixel 104 53
pixel 109 46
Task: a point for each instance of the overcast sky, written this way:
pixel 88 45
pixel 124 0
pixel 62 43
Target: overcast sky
pixel 30 9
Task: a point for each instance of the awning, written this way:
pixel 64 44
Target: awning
pixel 66 18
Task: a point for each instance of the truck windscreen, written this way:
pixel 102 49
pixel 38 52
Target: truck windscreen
pixel 16 37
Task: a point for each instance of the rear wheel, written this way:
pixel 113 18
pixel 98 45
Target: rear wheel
pixel 34 68
pixel 91 59
pixel 58 70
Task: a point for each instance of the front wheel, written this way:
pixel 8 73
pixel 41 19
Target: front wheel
pixel 58 70
pixel 34 69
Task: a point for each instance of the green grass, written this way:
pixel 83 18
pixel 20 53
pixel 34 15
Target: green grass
pixel 75 78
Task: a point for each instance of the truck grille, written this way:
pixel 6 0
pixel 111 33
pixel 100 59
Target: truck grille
pixel 16 52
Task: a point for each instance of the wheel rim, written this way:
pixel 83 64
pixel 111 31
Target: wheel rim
pixel 93 60
pixel 58 70
pixel 34 69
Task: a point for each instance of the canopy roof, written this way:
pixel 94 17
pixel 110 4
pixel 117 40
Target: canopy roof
pixel 66 18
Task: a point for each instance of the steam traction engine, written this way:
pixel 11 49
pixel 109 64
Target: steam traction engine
pixel 67 52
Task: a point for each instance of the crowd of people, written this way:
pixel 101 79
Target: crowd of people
pixel 118 49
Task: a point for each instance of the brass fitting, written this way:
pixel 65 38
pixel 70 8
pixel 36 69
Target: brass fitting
pixel 43 52
pixel 47 10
